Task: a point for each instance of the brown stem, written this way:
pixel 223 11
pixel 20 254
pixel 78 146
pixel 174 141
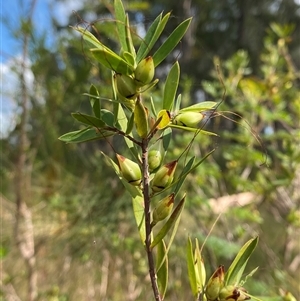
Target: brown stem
pixel 146 195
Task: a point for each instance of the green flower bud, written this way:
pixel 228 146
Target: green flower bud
pixel 163 209
pixel 130 170
pixel 125 85
pixel 232 293
pixel 164 176
pixel 188 119
pixel 144 71
pixel 141 119
pixel 154 159
pixel 288 297
pixel 215 284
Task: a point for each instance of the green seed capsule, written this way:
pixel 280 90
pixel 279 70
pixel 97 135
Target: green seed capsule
pixel 164 176
pixel 188 119
pixel 163 209
pixel 130 170
pixel 144 71
pixel 215 284
pixel 125 85
pixel 154 159
pixel 232 293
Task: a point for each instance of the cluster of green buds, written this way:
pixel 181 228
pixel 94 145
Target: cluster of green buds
pixel 217 291
pixel 129 86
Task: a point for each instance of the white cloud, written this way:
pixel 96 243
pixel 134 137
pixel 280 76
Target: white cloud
pixel 10 93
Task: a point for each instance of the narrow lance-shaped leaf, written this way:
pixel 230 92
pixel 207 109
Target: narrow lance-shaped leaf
pixel 169 224
pixel 191 267
pixel 95 101
pixel 162 273
pixel 89 120
pixel 129 42
pixel 199 268
pixel 85 135
pixel 112 61
pixel 140 119
pixel 199 107
pixel 171 42
pixel 236 269
pixel 89 37
pixel 120 23
pixel 152 36
pixel 171 87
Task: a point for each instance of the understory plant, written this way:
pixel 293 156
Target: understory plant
pixel 153 182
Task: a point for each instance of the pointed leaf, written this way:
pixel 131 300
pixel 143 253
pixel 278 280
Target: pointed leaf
pixel 184 173
pixel 108 117
pixel 191 267
pixel 152 36
pixel 185 128
pixel 162 273
pixel 201 106
pixel 169 224
pixel 89 37
pixel 171 87
pixel 89 120
pixel 129 58
pixel 112 61
pixel 87 134
pixel 95 101
pixel 199 268
pixel 120 23
pixel 129 42
pixel 140 119
pixel 236 269
pixel 171 42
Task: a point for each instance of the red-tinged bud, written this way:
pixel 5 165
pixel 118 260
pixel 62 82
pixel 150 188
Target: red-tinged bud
pixel 164 176
pixel 125 85
pixel 144 71
pixel 232 293
pixel 130 170
pixel 154 159
pixel 215 284
pixel 188 119
pixel 163 209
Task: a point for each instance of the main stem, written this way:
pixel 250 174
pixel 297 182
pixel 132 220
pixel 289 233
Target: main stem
pixel 146 195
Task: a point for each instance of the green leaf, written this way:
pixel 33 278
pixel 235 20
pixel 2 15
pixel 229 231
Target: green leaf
pixel 171 87
pixel 171 42
pixel 199 268
pixel 89 120
pixel 129 58
pixel 95 101
pixel 185 128
pixel 191 267
pixel 120 18
pixel 112 61
pixel 184 173
pixel 152 36
pixel 108 117
pixel 129 42
pixel 236 269
pixel 177 103
pixel 87 134
pixel 140 119
pixel 199 107
pixel 162 264
pixel 89 37
pixel 175 216
pixel 137 199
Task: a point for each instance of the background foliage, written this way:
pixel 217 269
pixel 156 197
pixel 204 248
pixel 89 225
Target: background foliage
pixel 85 238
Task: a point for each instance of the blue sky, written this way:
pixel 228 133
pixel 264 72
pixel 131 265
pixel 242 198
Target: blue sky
pixel 10 47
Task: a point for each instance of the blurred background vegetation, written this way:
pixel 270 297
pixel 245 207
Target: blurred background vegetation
pixel 67 228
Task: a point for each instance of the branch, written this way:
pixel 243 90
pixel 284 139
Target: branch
pixel 146 195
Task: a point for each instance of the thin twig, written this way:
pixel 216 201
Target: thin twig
pixel 146 195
